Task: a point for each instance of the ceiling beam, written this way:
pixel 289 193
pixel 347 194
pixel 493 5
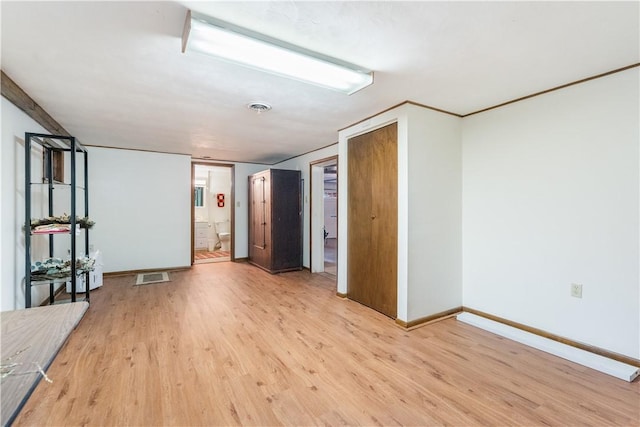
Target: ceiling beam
pixel 24 102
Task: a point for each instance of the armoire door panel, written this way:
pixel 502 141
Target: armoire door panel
pixel 257 213
pixel 286 212
pixel 373 219
pixel 268 239
pixel 258 233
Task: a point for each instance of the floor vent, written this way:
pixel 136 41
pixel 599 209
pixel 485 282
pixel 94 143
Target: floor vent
pixel 149 278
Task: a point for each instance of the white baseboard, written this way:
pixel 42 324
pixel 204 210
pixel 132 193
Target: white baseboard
pixel 591 360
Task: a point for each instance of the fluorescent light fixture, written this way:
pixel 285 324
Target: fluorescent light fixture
pixel 241 46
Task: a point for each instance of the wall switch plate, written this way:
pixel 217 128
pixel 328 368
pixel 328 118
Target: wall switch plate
pixel 576 290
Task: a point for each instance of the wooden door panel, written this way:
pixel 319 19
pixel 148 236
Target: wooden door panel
pixel 385 224
pixel 359 206
pixel 286 219
pixel 267 224
pixel 373 219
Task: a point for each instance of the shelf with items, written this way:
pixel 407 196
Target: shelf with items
pixel 65 233
pixel 59 269
pixel 55 229
pixel 59 224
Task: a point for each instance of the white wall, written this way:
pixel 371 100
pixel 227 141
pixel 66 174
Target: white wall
pixel 140 202
pixel 551 197
pixel 435 212
pixel 14 125
pixel 302 164
pixel 219 183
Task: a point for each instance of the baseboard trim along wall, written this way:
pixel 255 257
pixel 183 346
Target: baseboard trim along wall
pixel 148 270
pixel 574 354
pixel 590 348
pixel 412 324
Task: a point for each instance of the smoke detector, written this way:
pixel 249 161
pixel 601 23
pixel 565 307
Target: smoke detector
pixel 259 107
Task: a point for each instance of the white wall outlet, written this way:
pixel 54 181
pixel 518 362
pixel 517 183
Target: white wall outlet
pixel 576 290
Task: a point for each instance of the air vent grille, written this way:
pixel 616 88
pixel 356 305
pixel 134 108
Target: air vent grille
pixel 148 278
pixel 259 107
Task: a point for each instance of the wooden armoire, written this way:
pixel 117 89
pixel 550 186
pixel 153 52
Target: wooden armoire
pixel 275 220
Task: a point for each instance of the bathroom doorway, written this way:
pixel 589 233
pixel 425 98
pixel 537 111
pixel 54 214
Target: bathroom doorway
pixel 212 213
pixel 324 216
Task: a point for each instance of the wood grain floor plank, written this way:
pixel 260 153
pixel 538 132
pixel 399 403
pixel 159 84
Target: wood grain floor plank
pixel 227 344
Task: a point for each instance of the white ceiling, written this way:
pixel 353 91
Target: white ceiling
pixel 112 73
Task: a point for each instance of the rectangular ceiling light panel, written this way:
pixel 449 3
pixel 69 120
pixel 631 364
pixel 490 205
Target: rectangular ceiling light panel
pixel 241 46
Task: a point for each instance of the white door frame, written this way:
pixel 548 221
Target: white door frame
pixel 316 237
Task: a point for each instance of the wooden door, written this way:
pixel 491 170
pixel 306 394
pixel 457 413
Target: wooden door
pixel 372 246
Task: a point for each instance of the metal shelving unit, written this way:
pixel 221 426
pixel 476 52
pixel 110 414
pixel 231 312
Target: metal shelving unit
pixel 73 151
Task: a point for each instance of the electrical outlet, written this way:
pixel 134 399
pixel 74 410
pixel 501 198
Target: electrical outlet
pixel 576 290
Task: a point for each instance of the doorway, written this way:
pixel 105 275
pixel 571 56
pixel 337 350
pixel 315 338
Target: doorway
pixel 212 209
pixel 324 216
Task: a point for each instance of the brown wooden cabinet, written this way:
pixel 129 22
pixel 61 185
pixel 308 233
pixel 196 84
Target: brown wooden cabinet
pixel 275 220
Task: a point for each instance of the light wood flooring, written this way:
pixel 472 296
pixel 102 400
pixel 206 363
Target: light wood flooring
pixel 330 256
pixel 229 344
pixel 205 256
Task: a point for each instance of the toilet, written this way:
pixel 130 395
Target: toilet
pixel 222 229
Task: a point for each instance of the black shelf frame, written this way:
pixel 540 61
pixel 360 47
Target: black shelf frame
pixel 51 144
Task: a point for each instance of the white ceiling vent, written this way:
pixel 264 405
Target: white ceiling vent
pixel 259 107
